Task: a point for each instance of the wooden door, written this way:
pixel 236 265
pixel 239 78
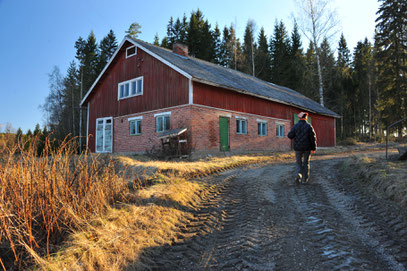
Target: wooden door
pixel 224 133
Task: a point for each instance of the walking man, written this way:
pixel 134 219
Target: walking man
pixel 304 143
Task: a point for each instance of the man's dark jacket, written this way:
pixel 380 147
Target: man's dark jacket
pixel 304 136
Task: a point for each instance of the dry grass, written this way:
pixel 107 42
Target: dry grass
pixel 124 235
pixel 203 167
pixel 386 179
pixel 44 198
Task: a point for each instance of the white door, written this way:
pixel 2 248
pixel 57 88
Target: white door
pixel 104 134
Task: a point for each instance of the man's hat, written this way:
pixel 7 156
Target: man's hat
pixel 302 115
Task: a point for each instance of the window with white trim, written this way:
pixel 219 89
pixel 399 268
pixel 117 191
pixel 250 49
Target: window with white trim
pixel 280 130
pixel 162 123
pixel 241 126
pixel 130 88
pixel 135 127
pixel 262 128
pixel 131 51
pixel 104 134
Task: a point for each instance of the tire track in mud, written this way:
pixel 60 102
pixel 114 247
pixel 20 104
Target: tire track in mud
pixel 258 219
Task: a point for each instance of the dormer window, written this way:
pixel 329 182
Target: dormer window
pixel 131 51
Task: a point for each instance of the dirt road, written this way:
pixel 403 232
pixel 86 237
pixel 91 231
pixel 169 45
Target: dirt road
pixel 256 218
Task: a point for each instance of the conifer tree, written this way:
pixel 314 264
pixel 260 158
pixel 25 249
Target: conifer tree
pixel 165 43
pixel 72 100
pixel 37 130
pixel 363 79
pixel 249 49
pixel 343 89
pixel 327 61
pixel 225 49
pixel 200 40
pixel 310 83
pixel 107 47
pixel 156 41
pixel 262 59
pixel 391 56
pixel 217 45
pixel 280 55
pixel 296 68
pixel 19 136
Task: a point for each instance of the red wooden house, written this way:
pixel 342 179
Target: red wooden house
pixel 146 90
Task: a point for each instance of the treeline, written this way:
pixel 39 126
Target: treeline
pixel 63 114
pixel 366 85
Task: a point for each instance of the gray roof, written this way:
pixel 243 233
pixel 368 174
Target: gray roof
pixel 211 73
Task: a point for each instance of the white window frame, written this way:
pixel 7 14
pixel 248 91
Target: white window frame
pixel 96 137
pixel 135 119
pixel 130 82
pixel 162 115
pixel 278 129
pixel 262 122
pixel 130 47
pixel 239 126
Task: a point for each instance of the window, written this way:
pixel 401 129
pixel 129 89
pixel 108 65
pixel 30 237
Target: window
pixel 241 126
pixel 280 130
pixel 162 122
pixel 135 125
pixel 131 51
pixel 104 134
pixel 133 87
pixel 262 128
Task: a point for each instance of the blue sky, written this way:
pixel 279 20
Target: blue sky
pixel 37 35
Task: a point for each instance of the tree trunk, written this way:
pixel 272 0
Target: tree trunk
pixel 321 88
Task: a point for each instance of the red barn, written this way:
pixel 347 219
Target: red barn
pixel 146 90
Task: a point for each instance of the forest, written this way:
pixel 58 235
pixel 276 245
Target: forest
pixel 366 85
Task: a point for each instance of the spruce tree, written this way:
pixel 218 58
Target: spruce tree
pixel 310 83
pixel 19 136
pixel 200 39
pixel 225 49
pixel 343 90
pixel 296 68
pixel 328 73
pixel 262 59
pixel 217 45
pixel 170 32
pixel 156 41
pixel 391 56
pixel 165 43
pixel 195 33
pixel 363 87
pixel 37 130
pixel 280 55
pixel 249 49
pixel 107 47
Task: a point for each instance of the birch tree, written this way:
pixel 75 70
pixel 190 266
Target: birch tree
pixel 317 21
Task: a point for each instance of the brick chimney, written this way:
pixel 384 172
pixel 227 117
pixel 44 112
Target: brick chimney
pixel 180 49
